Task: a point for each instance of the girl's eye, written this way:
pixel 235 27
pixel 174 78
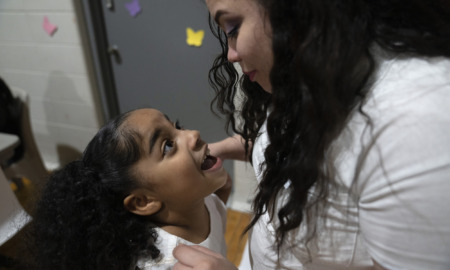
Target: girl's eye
pixel 168 146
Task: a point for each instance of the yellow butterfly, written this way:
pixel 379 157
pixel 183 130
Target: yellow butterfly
pixel 194 38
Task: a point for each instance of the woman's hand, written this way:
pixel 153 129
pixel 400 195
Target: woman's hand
pixel 200 258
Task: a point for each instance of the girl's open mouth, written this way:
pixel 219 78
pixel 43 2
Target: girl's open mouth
pixel 208 163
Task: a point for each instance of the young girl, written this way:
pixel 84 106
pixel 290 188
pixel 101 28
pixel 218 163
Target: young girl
pixel 142 186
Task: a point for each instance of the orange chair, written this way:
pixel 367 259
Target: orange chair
pixel 30 165
pixel 12 215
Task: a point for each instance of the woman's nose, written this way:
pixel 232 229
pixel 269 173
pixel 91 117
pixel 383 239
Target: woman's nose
pixel 232 55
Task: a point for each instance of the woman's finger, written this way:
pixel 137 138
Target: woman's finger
pixel 200 258
pixel 207 251
pixel 189 255
pixel 180 266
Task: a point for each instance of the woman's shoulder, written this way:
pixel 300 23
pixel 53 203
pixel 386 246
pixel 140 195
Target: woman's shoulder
pixel 408 77
pixel 405 121
pixel 409 89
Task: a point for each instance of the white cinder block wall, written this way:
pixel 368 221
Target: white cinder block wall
pixel 52 69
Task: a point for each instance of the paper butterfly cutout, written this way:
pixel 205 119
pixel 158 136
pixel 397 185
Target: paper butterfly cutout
pixel 194 38
pixel 48 27
pixel 134 8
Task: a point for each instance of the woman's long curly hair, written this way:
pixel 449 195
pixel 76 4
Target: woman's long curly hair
pixel 80 221
pixel 322 70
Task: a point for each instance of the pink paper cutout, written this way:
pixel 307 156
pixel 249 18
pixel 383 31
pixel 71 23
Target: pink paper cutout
pixel 134 8
pixel 48 27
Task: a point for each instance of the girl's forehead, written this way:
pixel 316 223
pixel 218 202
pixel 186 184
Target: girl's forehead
pixel 146 118
pixel 146 114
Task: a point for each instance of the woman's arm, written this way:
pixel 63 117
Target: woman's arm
pixel 229 148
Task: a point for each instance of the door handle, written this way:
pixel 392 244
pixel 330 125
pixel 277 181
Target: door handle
pixel 110 4
pixel 113 50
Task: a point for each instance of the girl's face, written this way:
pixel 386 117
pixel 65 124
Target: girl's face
pixel 172 166
pixel 249 37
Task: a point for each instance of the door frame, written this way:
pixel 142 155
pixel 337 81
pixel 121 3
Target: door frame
pixel 93 32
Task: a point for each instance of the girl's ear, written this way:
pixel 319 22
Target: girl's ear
pixel 139 203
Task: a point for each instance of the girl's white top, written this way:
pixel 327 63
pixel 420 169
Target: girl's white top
pixel 166 242
pixel 391 202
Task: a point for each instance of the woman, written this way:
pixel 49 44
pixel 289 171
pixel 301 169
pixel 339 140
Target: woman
pixel 346 107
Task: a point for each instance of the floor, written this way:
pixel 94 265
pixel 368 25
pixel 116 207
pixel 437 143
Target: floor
pixel 234 237
pixel 239 207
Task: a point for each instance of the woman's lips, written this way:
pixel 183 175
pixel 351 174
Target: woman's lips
pixel 251 75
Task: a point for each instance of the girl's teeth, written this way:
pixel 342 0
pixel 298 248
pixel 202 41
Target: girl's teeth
pixel 206 154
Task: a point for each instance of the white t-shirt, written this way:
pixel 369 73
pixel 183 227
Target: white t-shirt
pixel 391 202
pixel 166 242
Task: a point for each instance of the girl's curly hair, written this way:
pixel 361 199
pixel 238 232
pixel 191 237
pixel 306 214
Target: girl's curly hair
pixel 80 221
pixel 323 64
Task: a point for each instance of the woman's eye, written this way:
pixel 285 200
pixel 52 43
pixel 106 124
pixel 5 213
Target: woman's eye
pixel 233 32
pixel 168 146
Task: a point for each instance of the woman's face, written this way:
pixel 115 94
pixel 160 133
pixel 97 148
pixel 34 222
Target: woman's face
pixel 172 162
pixel 249 37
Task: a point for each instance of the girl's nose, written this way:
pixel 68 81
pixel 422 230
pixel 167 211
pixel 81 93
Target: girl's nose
pixel 232 55
pixel 194 140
